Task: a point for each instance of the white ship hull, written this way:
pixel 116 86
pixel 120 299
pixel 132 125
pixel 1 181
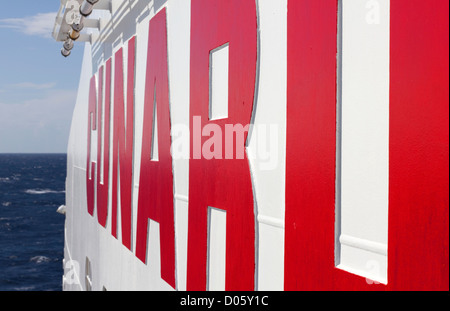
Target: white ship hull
pixel 337 176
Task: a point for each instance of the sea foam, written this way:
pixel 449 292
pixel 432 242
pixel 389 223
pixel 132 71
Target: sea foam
pixel 42 191
pixel 39 259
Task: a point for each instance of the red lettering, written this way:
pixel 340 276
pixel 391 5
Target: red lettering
pixel 155 199
pixel 311 152
pixel 123 145
pixel 103 147
pixel 96 123
pixel 418 189
pixel 222 183
pixel 91 167
pixel 418 146
pixel 310 145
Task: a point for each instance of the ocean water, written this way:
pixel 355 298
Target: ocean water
pixel 31 231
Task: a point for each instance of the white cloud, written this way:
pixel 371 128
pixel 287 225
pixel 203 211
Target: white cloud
pixel 17 92
pixel 40 24
pixel 33 86
pixel 38 124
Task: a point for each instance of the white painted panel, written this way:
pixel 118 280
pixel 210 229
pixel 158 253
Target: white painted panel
pixel 155 145
pixel 94 137
pixel 271 257
pixel 267 143
pixel 217 230
pixel 76 180
pixel 153 246
pixel 364 144
pixel 218 72
pixel 142 30
pixel 181 234
pixel 178 26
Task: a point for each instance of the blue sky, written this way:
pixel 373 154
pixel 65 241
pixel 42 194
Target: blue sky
pixel 37 85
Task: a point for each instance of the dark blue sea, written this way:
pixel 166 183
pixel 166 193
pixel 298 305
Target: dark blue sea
pixel 31 231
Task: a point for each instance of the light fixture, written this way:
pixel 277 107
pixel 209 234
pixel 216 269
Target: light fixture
pixel 86 9
pixel 68 44
pixel 65 52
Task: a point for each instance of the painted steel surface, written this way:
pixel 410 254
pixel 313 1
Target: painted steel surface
pixel 143 214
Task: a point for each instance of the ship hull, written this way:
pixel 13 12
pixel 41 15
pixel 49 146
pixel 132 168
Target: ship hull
pixel 261 145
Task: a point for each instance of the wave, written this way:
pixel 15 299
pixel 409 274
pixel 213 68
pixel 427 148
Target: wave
pixel 42 191
pixel 40 259
pixel 6 204
pixel 24 288
pixel 13 178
